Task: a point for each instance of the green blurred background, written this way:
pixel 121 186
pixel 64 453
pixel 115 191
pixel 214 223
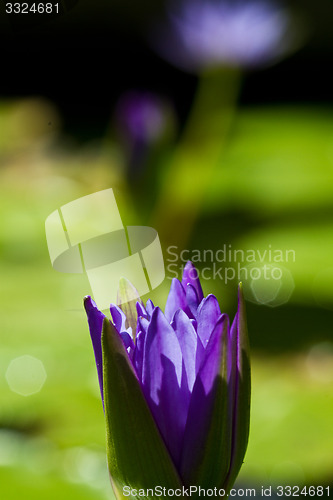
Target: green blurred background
pixel 267 184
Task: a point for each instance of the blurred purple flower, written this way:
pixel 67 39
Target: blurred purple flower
pixel 208 33
pixel 193 370
pixel 145 123
pixel 141 116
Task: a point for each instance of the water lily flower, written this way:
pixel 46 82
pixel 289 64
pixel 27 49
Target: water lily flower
pixel 144 121
pixel 208 33
pixel 175 387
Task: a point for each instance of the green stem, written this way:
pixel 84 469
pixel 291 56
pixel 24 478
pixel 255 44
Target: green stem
pixel 191 169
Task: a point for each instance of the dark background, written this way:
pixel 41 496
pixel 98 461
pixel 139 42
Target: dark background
pixel 84 57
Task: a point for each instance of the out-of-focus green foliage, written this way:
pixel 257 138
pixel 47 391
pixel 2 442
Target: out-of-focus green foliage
pixel 273 185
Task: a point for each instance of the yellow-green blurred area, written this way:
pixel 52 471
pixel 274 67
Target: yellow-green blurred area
pixel 272 188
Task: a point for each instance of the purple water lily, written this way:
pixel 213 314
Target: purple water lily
pixel 208 33
pixel 193 371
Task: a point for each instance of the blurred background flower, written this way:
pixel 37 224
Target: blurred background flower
pixel 205 34
pixel 142 118
pixel 145 125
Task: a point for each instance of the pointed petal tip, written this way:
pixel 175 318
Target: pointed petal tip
pixel 89 303
pixel 188 265
pixel 240 296
pixel 149 307
pixel 157 312
pixel 158 320
pixel 190 271
pixel 190 275
pixel 140 309
pixel 224 318
pixel 210 296
pixel 175 282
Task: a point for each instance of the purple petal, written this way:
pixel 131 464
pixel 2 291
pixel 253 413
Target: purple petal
pixel 95 321
pixel 176 300
pixel 143 318
pixel 150 307
pixel 213 355
pixel 141 310
pixel 207 316
pixel 191 346
pixel 138 353
pixel 142 328
pixel 118 318
pixel 128 341
pixel 207 438
pixel 190 276
pixel 162 380
pixel 194 324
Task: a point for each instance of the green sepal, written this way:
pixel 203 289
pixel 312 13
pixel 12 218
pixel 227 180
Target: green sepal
pixel 137 456
pixel 242 391
pixel 215 457
pixel 127 297
pixel 206 461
